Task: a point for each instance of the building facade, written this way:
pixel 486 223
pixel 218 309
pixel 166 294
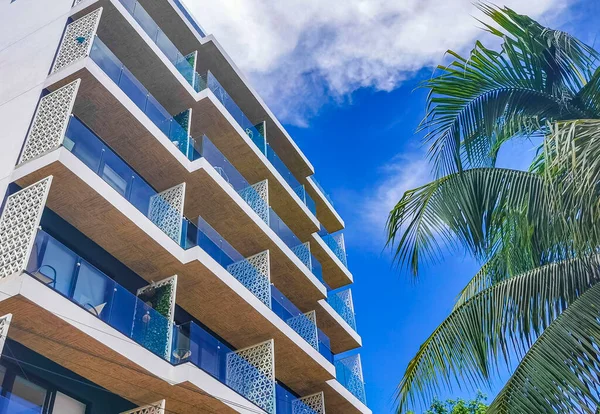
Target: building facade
pixel 164 245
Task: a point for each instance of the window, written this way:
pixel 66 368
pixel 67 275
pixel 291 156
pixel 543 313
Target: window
pixel 63 404
pixel 21 393
pixel 25 396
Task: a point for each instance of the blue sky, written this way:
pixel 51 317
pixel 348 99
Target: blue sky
pixel 342 78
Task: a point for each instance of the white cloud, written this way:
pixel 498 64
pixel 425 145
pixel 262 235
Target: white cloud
pixel 404 172
pixel 302 53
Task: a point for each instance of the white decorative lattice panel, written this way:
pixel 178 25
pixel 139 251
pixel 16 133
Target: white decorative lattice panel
pixel 166 211
pixel 77 41
pixel 154 408
pixel 354 380
pixel 302 251
pixel 338 246
pixel 311 404
pixel 18 225
pixel 257 197
pixel 4 325
pixel 251 372
pixel 347 310
pixel 255 273
pixel 306 326
pixel 50 122
pixel 162 327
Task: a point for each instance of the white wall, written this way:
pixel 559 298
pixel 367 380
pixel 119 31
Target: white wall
pixel 30 32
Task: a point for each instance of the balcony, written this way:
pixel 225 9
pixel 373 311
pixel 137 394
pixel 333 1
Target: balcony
pixel 117 218
pixel 303 324
pixel 165 165
pixel 349 374
pixel 189 17
pixel 209 81
pixel 341 302
pixel 101 159
pixel 162 76
pixel 212 57
pixel 183 64
pixel 81 319
pixel 289 403
pixel 301 250
pixel 330 249
pixel 62 270
pixel 326 212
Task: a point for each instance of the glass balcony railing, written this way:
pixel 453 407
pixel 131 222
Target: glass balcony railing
pixel 290 179
pixel 209 81
pixel 61 269
pixel 124 79
pixel 161 40
pixel 100 158
pixel 350 380
pixel 320 187
pixel 306 328
pixel 300 249
pixel 336 243
pixel 306 199
pixel 189 17
pixel 289 403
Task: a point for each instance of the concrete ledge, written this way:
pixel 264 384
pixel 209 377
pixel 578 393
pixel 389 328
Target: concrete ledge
pixel 339 400
pixel 326 212
pixel 343 337
pixel 334 272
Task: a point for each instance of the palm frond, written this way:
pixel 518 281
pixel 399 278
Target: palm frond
pixel 561 371
pixel 468 210
pixel 572 163
pixel 515 252
pixel 478 103
pixel 589 96
pixel 496 323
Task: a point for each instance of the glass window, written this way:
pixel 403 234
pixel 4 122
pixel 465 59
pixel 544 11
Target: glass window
pixel 63 404
pixel 116 173
pixel 26 397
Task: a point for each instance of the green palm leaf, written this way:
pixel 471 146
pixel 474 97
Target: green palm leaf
pixel 468 209
pixel 478 103
pixel 561 371
pixel 496 323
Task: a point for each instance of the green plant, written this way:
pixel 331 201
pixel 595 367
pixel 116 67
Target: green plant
pixel 459 406
pixel 153 330
pixel 535 233
pixel 162 302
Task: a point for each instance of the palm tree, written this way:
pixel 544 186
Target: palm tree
pixel 536 298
